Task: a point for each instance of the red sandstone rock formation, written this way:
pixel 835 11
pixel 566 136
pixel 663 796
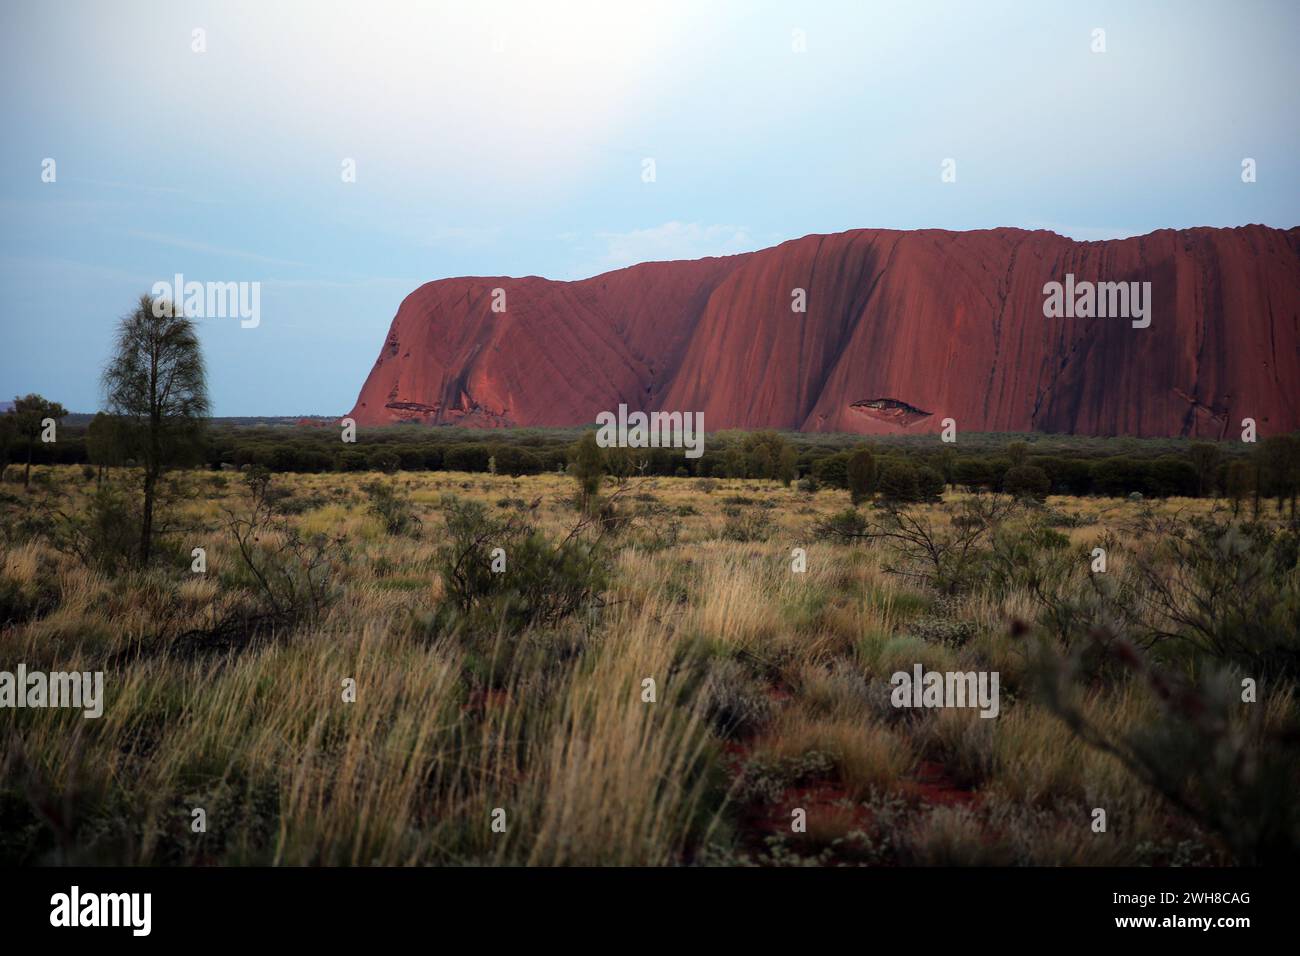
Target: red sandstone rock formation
pixel 902 330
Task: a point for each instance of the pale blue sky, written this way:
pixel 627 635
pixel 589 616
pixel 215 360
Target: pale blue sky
pixel 508 139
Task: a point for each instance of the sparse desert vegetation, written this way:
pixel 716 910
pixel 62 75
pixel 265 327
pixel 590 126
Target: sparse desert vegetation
pixel 516 679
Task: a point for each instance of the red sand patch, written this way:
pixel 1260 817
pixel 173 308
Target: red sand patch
pixel 826 801
pixel 933 785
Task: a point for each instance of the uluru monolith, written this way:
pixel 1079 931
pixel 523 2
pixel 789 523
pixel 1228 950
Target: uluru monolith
pixel 898 331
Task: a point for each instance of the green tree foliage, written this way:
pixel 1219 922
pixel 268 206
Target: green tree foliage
pixel 392 506
pixel 898 481
pixel 861 475
pixel 1240 482
pixel 8 437
pixel 1118 476
pixel 383 459
pixel 1027 481
pixel 832 470
pixel 973 473
pixel 930 483
pixel 787 464
pixel 516 461
pixel 30 412
pixel 1278 458
pixel 105 442
pixel 466 457
pixel 1205 459
pixel 1171 476
pixel 587 464
pixel 765 454
pixel 156 385
pixel 543 581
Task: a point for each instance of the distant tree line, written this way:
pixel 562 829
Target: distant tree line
pixel 1242 473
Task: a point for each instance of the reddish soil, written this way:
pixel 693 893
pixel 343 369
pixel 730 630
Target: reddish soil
pixel 933 785
pixel 826 799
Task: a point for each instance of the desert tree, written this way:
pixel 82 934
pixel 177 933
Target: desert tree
pixel 861 475
pixel 1205 458
pixel 30 414
pixel 767 454
pixel 1240 481
pixel 787 464
pixel 897 480
pixel 1278 457
pixel 587 465
pixel 104 443
pixel 156 385
pixel 8 435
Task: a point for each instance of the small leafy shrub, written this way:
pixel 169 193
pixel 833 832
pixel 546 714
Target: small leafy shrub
pixel 765 777
pixel 847 525
pixel 1228 590
pixel 543 582
pixel 948 630
pixel 746 526
pixel 392 507
pixel 294 577
pixel 106 536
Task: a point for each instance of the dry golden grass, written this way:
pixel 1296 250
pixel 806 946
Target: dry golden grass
pixel 585 770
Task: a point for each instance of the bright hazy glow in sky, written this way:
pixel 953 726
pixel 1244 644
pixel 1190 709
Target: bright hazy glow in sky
pixel 509 139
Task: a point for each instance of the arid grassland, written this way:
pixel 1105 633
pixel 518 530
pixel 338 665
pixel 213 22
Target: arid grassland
pixel 1160 690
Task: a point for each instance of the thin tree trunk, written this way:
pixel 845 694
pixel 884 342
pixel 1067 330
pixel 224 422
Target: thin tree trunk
pixel 146 524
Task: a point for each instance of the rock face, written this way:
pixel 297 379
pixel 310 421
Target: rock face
pixel 901 330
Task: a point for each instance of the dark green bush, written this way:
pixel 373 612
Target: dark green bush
pixel 930 484
pixel 898 481
pixel 543 582
pixel 468 457
pixel 861 475
pixel 392 506
pixel 833 470
pixel 847 525
pixel 1027 481
pixel 973 473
